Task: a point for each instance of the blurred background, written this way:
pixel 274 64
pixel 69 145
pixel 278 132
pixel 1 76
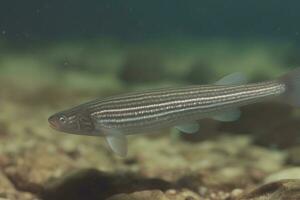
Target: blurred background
pixel 57 54
pixel 185 42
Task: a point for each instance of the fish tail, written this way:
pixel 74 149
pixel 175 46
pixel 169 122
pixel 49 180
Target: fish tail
pixel 291 82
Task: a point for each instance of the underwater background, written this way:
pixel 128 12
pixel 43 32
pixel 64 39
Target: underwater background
pixel 57 54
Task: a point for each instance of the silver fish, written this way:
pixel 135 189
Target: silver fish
pixel 181 107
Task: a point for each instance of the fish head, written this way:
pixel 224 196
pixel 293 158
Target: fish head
pixel 74 121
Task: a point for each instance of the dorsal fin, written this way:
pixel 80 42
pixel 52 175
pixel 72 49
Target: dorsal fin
pixel 236 78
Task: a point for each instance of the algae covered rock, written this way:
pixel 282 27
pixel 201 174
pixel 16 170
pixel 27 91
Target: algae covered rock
pixel 143 195
pixel 158 195
pixel 288 189
pixel 290 173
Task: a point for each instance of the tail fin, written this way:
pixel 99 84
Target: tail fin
pixel 291 81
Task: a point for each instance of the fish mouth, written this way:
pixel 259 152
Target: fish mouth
pixel 53 123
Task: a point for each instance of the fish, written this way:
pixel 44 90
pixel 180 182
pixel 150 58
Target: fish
pixel 181 107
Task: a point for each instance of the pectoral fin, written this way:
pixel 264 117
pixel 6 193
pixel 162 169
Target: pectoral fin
pixel 188 128
pixel 228 116
pixel 118 144
pixel 236 78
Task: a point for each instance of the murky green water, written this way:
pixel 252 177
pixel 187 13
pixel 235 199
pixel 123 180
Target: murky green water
pixel 54 55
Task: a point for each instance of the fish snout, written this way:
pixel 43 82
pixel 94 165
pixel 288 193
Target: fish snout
pixel 53 121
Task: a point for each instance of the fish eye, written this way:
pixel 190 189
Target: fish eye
pixel 62 119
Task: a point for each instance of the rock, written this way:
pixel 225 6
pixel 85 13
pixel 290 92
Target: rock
pixel 3 129
pixel 201 73
pixel 228 176
pixel 143 66
pixel 158 195
pixel 293 157
pixel 6 186
pixel 9 191
pixel 291 173
pixel 143 195
pixel 46 162
pixel 95 185
pixel 270 134
pixel 236 193
pixel 280 190
pixel 289 128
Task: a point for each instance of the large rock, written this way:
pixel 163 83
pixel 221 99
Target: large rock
pixel 288 189
pixel 158 195
pixel 143 195
pixel 291 173
pixel 96 185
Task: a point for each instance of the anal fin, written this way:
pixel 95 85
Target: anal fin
pixel 188 128
pixel 117 143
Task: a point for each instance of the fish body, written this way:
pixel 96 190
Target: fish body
pixel 152 110
pixel 146 111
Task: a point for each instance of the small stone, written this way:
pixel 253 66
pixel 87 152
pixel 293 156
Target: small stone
pixel 202 191
pixel 171 192
pixel 142 195
pixel 184 194
pixel 236 192
pixel 189 198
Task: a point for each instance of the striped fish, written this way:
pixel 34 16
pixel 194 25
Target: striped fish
pixel 181 107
